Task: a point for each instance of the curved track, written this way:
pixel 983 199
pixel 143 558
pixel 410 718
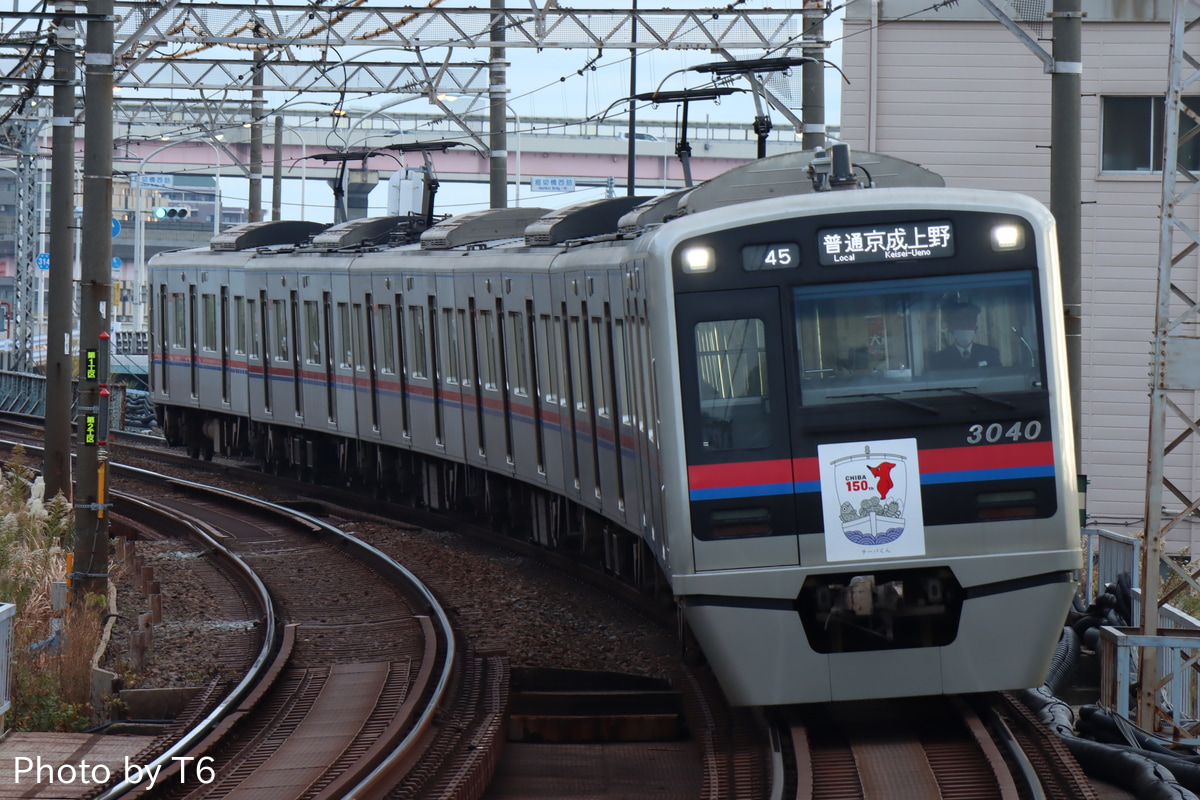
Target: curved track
pixel 925 748
pixel 359 659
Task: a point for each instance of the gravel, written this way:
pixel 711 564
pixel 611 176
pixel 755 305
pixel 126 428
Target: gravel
pixel 540 617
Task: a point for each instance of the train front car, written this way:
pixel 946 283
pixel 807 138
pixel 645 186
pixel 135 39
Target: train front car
pixel 875 442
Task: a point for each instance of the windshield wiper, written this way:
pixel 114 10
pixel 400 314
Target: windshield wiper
pixel 987 397
pixel 901 400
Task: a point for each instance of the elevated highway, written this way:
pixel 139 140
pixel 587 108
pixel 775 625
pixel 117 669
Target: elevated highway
pixel 590 152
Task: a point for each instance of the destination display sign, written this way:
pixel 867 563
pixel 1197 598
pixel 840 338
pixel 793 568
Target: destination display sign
pixel 892 242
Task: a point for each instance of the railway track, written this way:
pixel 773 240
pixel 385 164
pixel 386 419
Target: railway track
pixel 357 660
pixel 985 747
pixel 730 759
pixel 958 749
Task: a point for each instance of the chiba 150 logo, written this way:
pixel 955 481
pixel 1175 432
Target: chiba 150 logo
pixel 871 499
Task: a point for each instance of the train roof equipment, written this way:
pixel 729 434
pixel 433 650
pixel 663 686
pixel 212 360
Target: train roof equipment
pixel 580 220
pixel 266 233
pixel 480 226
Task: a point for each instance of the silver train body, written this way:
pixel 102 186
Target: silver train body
pixel 744 398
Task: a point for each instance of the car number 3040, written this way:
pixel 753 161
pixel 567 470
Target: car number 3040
pixel 997 431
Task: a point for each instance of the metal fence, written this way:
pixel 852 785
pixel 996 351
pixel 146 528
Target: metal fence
pixel 8 612
pixel 23 393
pixel 1109 554
pixel 1177 640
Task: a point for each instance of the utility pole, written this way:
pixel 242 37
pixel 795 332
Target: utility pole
pixel 255 212
pixel 56 461
pixel 812 74
pixel 1065 66
pixel 497 118
pixel 631 145
pixel 91 500
pixel 1065 189
pixel 277 184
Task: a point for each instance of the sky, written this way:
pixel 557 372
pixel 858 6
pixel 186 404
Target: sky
pixel 565 83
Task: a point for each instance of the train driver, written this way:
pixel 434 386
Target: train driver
pixel 962 322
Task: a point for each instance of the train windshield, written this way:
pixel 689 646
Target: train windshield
pixel 976 334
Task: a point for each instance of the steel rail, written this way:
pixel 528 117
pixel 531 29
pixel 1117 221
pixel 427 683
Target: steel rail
pixel 439 621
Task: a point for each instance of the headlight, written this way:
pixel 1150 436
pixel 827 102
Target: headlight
pixel 698 259
pixel 1008 237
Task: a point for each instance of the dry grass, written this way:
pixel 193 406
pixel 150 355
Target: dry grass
pixel 51 650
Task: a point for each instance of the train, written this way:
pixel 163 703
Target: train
pixel 819 399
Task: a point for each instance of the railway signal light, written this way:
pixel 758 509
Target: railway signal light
pixel 172 212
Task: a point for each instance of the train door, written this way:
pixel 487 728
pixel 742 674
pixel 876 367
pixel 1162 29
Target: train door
pixel 472 387
pixel 450 367
pixel 489 387
pixel 535 358
pixel 224 345
pixel 435 351
pixel 579 393
pixel 327 354
pixel 297 370
pixel 647 423
pixel 523 437
pixel 373 362
pixel 736 429
pixel 264 349
pixel 499 380
pixel 549 385
pixel 606 411
pixel 193 343
pixel 402 372
pixel 165 314
pixel 386 377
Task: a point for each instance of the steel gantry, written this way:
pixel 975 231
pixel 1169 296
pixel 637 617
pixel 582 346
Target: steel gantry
pixel 20 142
pixel 1175 370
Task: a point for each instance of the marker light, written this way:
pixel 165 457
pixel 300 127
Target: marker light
pixel 698 259
pixel 1008 237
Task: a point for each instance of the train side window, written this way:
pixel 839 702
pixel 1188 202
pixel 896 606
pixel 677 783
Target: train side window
pixel 450 342
pixel 731 363
pixel 548 364
pixel 402 368
pixel 420 362
pixel 646 409
pixel 574 343
pixel 516 358
pixel 208 310
pixel 327 330
pixel 356 338
pixel 487 363
pixel 387 339
pixel 621 370
pixel 462 336
pixel 312 331
pixel 179 319
pixel 280 309
pixel 239 325
pixel 347 356
pixel 561 378
pixel 252 327
pixel 600 367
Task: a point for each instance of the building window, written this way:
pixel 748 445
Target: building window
pixel 1132 134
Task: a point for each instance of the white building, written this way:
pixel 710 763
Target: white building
pixel 957 92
